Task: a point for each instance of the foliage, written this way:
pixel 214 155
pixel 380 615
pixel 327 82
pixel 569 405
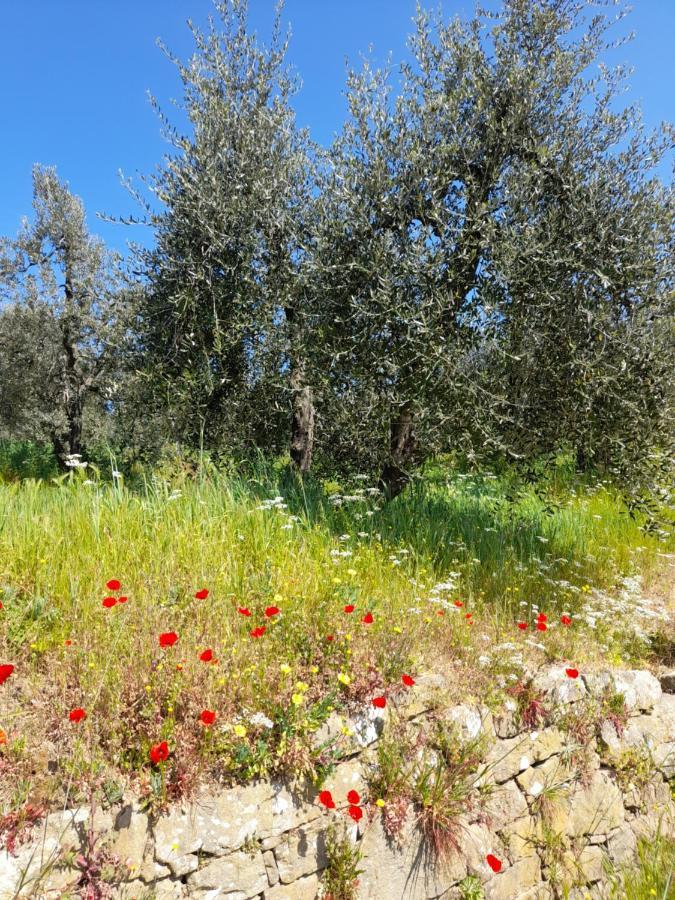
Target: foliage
pixel 60 325
pixel 340 877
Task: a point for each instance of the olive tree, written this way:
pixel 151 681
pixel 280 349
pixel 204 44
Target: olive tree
pixel 497 252
pixel 61 319
pixel 222 332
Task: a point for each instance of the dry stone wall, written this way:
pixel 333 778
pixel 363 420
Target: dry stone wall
pixel 559 806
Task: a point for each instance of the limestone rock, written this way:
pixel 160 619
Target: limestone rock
pixel 467 721
pixel 513 881
pixel 301 852
pixel 505 805
pixel 621 845
pixel 640 689
pixel 410 873
pixel 306 888
pixel 555 683
pixel 238 876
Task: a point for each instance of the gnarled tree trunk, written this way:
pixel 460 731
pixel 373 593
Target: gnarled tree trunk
pixel 302 421
pixel 403 453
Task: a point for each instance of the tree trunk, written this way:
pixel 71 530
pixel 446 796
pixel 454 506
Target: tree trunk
pixel 396 473
pixel 302 426
pixel 302 422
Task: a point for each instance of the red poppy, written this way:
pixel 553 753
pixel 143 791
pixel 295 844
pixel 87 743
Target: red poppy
pixel 243 611
pixel 494 863
pixel 355 812
pixel 159 752
pixel 541 626
pixel 272 611
pixel 1 606
pixel 113 584
pixel 77 714
pixel 349 608
pixel 202 595
pixel 468 615
pixel 5 671
pixel 207 717
pixel 440 612
pixel 566 620
pixel 408 680
pixel 329 638
pixel 522 625
pixel 353 798
pixel 379 702
pixel 68 642
pixel 542 617
pixel 367 619
pixel 458 604
pixel 109 602
pixel 326 799
pixel 207 655
pixel 122 599
pixel 258 632
pixel 168 639
pixel 572 673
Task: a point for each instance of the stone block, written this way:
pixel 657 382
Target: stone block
pixel 513 881
pixel 237 876
pixel 301 852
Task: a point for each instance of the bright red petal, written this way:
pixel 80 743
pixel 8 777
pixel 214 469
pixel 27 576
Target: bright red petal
pixel 494 863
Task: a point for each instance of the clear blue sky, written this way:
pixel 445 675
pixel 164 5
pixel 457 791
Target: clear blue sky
pixel 74 76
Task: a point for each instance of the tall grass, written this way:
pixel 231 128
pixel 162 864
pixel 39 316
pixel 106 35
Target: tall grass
pixel 500 549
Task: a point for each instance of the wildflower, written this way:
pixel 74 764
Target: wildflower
pixel 113 584
pixel 541 626
pixel 379 802
pixel 207 717
pixel 329 638
pixel 68 642
pixel 343 678
pixel 207 655
pixel 408 680
pixel 458 604
pixel 349 608
pixel 285 669
pixel 367 619
pixel 355 813
pixel 379 702
pixel 168 639
pixel 109 602
pixel 242 610
pixel 353 798
pixel 159 752
pixel 397 629
pixel 258 632
pixel 272 611
pixel 3 738
pixel 542 617
pixel 522 625
pixel 566 620
pixel 5 671
pixel 494 863
pixel 122 599
pixel 326 799
pixel 77 714
pixel 572 673
pixel 240 731
pixel 468 616
pixel 202 594
pixel 298 699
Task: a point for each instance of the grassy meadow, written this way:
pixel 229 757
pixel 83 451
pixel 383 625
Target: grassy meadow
pixel 250 606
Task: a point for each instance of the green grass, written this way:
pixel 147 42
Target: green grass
pixel 654 874
pixel 503 550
